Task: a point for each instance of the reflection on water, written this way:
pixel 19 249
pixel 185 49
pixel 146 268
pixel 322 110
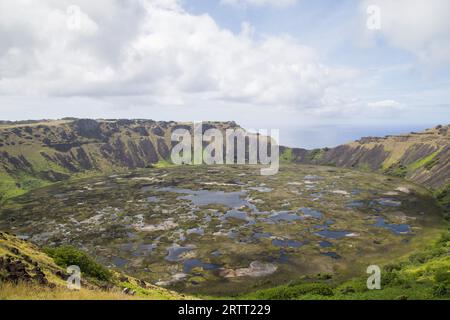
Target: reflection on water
pixel 284 216
pixel 325 244
pixel 175 252
pixel 287 243
pixel 119 262
pixel 152 199
pixel 395 228
pixel 313 178
pixel 261 235
pixel 388 202
pixel 216 253
pixel 332 255
pixel 197 231
pixel 207 197
pixel 190 264
pixel 240 215
pixel 333 234
pixel 261 189
pixel 311 213
pixel 355 204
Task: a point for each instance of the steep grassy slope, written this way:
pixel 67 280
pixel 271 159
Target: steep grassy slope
pixel 26 272
pixel 422 157
pixel 33 154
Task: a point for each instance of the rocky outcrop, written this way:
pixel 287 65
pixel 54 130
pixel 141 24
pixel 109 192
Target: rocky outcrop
pixel 14 270
pixel 347 156
pixel 163 149
pixel 20 267
pixel 88 128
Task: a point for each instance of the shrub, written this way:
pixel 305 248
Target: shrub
pixel 442 276
pixel 397 170
pixel 324 276
pixel 395 278
pixel 347 290
pixel 443 196
pixel 440 290
pixel 295 291
pixel 444 238
pixel 67 255
pixel 392 267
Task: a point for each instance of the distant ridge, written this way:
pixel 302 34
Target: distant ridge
pixel 38 152
pixel 422 157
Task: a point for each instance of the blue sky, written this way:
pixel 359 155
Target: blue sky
pixel 310 68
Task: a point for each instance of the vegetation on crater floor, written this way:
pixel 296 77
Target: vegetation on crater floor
pixel 422 275
pixel 199 229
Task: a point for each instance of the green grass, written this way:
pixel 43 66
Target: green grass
pixel 27 183
pixel 11 187
pixel 400 170
pixel 425 162
pixel 365 167
pixel 161 164
pixel 23 291
pixel 291 292
pixel 443 196
pixel 8 187
pixel 397 170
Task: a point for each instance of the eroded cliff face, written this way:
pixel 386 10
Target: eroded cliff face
pixel 420 157
pixel 36 153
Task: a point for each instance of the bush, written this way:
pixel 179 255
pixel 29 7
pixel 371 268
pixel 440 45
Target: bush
pixel 442 276
pixel 67 256
pixel 347 290
pixel 295 292
pixel 392 267
pixel 324 276
pixel 440 290
pixel 427 255
pixel 390 278
pixel 444 239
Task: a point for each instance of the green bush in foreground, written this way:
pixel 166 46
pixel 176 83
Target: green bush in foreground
pixel 67 255
pixel 293 292
pixel 439 290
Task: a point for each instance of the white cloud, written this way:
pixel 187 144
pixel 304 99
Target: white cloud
pixel 385 104
pixel 260 3
pixel 420 27
pixel 155 49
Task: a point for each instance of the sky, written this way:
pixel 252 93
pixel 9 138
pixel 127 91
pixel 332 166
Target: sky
pixel 323 72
